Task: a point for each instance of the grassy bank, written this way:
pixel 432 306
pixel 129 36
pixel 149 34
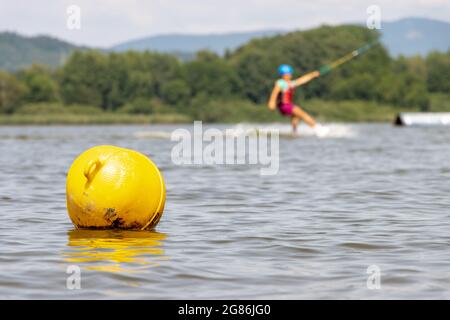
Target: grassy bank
pixel 440 102
pixel 323 110
pixel 212 111
pixel 88 119
pixel 353 111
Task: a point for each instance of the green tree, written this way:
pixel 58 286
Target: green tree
pixel 163 68
pixel 409 82
pixel 139 84
pixel 41 86
pixel 438 65
pixel 176 92
pixel 84 79
pixel 11 92
pixel 147 72
pixel 256 72
pixel 211 75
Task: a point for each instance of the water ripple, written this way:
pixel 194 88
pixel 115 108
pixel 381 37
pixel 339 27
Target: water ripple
pixel 371 195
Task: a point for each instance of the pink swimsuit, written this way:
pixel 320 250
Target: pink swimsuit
pixel 285 104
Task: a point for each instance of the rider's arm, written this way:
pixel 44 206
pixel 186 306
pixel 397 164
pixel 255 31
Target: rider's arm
pixel 306 78
pixel 273 97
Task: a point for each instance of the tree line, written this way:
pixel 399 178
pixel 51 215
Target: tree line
pixel 210 86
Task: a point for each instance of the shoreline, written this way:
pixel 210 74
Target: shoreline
pixel 97 119
pixel 227 112
pixel 7 121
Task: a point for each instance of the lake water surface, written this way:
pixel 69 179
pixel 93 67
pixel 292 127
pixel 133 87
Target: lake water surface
pixel 366 195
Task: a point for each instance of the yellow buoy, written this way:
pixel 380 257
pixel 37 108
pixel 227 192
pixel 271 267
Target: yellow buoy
pixel 111 187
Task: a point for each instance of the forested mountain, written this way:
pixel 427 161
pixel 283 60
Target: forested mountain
pixel 408 37
pixel 190 43
pixel 17 51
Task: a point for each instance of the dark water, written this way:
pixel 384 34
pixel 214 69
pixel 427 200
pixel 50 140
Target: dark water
pixel 367 195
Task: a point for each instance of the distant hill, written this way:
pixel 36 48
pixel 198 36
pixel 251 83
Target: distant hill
pixel 185 43
pixel 413 36
pixel 407 36
pixel 18 51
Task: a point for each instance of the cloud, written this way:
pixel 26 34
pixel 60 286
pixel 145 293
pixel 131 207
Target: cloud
pixel 107 22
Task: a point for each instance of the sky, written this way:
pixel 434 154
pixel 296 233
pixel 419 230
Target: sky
pixel 105 23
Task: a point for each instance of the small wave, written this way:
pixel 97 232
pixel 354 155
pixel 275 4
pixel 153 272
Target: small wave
pixel 21 137
pixel 285 131
pixel 364 246
pixel 153 135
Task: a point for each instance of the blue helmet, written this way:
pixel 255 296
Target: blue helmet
pixel 285 69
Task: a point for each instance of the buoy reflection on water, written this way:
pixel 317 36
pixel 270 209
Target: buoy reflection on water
pixel 115 250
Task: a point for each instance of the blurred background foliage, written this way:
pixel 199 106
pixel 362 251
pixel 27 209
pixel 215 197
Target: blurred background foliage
pixel 235 87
